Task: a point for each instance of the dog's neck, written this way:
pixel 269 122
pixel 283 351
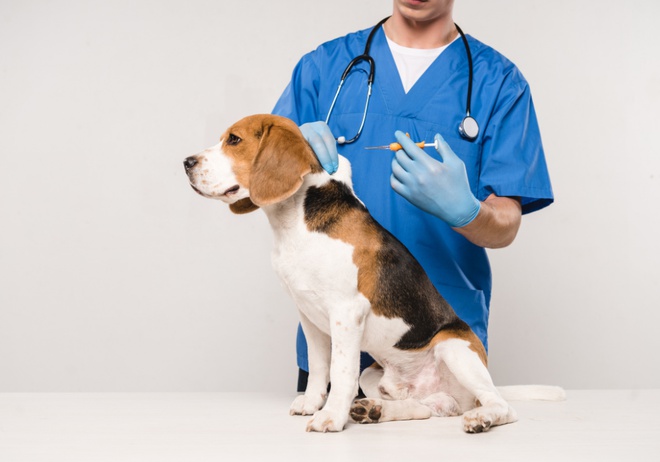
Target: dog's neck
pixel 289 214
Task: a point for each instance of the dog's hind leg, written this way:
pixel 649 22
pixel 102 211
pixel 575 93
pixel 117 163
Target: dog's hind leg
pixel 373 408
pixel 470 372
pixel 369 380
pixel 442 405
pixel 382 410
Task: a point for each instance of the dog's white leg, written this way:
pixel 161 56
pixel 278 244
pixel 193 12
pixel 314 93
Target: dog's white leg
pixel 369 380
pixel 442 405
pixel 346 328
pixel 318 354
pixel 375 409
pixel 382 410
pixel 472 374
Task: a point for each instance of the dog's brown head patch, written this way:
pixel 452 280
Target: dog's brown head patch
pixel 270 157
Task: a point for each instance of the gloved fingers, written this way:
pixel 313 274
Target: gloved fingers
pixel 323 143
pixel 407 144
pixel 403 160
pixel 322 152
pixel 324 147
pixel 444 150
pixel 330 143
pixel 399 172
pixel 399 187
pixel 413 151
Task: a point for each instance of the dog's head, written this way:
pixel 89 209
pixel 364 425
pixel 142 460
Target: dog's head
pixel 260 160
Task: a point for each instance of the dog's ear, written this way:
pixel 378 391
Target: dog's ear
pixel 284 158
pixel 243 206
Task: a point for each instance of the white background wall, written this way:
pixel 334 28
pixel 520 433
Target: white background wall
pixel 115 276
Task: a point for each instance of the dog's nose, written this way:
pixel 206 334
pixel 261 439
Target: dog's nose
pixel 190 162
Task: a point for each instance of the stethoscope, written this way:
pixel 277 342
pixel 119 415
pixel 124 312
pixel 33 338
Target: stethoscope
pixel 468 128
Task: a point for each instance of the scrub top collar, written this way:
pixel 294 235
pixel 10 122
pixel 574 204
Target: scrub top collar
pixel 435 79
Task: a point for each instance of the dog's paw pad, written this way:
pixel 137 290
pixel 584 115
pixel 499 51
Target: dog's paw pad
pixel 366 411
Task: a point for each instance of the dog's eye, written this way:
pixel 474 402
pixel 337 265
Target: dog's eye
pixel 233 140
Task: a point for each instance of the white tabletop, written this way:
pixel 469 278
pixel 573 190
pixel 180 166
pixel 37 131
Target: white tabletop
pixel 601 425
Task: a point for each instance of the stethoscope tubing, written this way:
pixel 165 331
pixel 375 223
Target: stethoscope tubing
pixel 468 128
pixel 365 56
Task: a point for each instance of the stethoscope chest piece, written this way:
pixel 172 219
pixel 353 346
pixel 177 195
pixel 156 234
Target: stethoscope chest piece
pixel 469 128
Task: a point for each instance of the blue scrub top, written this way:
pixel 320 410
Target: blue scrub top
pixel 507 158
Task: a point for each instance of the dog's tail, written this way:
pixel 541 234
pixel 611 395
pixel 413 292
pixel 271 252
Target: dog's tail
pixel 532 393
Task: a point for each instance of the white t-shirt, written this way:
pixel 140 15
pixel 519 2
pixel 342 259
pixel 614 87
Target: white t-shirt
pixel 413 62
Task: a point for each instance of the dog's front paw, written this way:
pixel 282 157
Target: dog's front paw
pixel 307 405
pixel 366 411
pixel 327 421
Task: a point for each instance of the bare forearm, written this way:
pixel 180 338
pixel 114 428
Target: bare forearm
pixel 497 223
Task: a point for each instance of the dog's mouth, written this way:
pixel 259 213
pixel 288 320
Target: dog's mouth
pixel 231 191
pixel 227 195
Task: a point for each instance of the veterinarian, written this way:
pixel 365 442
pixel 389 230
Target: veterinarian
pixel 447 205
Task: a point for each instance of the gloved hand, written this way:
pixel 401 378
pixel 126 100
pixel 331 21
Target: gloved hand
pixel 323 142
pixel 439 188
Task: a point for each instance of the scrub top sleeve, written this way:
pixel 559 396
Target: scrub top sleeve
pixel 299 101
pixel 513 161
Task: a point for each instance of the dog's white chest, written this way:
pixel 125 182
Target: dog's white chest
pixel 318 271
pixel 321 276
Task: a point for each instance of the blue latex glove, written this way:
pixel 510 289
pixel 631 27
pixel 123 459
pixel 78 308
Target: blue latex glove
pixel 323 142
pixel 440 188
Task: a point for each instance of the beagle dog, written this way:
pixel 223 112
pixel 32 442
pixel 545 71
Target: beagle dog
pixel 357 288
